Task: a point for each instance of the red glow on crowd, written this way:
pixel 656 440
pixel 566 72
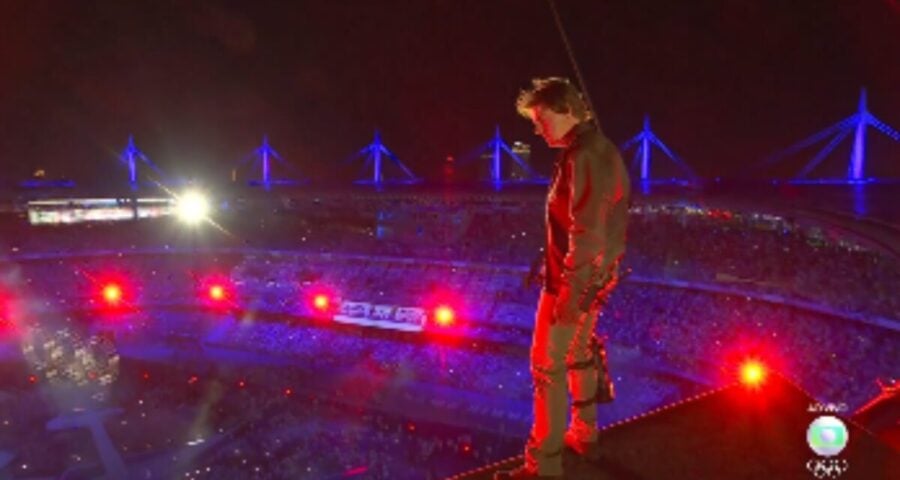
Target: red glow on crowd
pixel 7 324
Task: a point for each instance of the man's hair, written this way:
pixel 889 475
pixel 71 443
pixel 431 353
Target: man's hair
pixel 557 94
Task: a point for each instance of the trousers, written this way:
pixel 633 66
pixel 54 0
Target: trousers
pixel 564 355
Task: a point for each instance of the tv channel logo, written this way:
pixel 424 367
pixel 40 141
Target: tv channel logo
pixel 827 436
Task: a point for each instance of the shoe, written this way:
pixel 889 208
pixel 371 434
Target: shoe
pixel 589 451
pixel 522 474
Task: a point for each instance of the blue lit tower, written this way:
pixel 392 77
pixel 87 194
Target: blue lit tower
pixel 493 150
pixel 130 157
pixel 375 153
pixel 263 156
pixel 855 125
pixel 645 141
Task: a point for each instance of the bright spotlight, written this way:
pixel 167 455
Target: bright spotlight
pixel 753 373
pixel 193 207
pixel 444 316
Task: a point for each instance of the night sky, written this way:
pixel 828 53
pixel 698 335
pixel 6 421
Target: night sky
pixel 199 82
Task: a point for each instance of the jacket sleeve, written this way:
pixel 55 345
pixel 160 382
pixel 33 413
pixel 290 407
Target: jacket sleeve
pixel 595 185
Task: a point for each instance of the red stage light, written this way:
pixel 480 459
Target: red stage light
pixel 321 302
pixel 288 392
pixel 217 293
pixel 753 373
pixel 215 290
pixel 32 379
pixel 112 293
pixel 444 316
pixel 751 361
pixel 242 384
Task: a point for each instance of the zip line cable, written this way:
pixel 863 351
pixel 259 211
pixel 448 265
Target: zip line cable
pixel 574 62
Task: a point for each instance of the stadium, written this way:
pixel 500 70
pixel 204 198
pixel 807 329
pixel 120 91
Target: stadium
pixel 343 240
pixel 274 339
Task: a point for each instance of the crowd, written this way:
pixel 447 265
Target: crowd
pixel 766 255
pixel 401 361
pixel 24 413
pixel 329 440
pixel 205 420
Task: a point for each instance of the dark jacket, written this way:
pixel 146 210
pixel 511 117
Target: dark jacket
pixel 587 215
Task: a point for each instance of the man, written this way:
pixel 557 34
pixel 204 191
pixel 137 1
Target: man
pixel 587 212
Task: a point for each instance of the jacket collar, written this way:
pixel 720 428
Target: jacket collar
pixel 576 132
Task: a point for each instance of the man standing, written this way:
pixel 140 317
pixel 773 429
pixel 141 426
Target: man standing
pixel 587 212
